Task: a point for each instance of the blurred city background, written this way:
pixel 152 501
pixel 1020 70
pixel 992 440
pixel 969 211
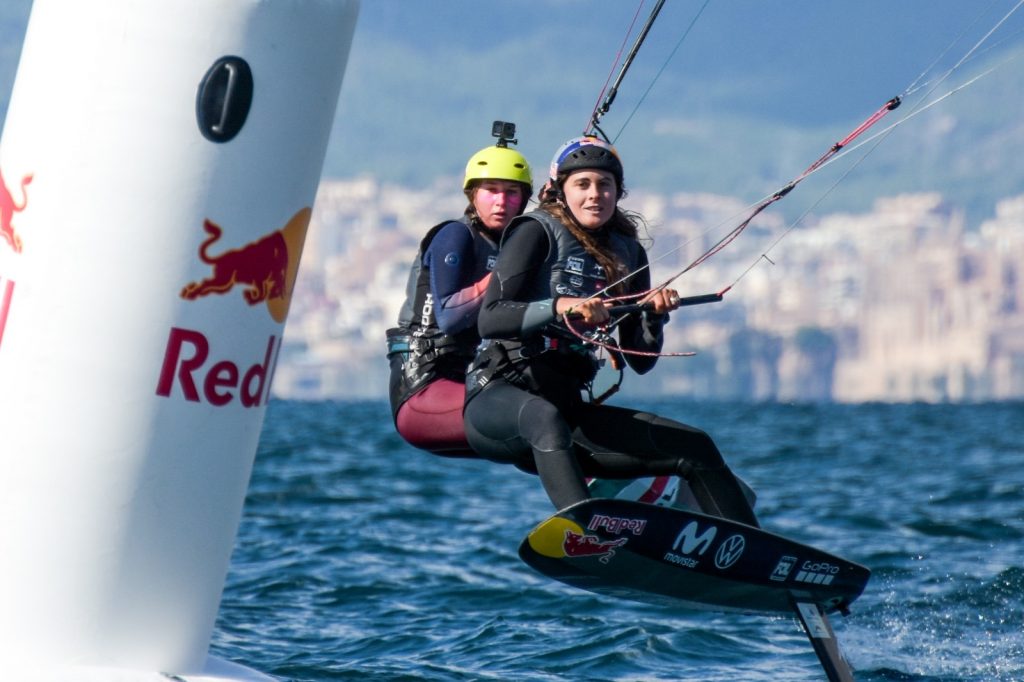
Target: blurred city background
pixel 893 274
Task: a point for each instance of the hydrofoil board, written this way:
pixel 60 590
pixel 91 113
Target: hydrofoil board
pixel 668 555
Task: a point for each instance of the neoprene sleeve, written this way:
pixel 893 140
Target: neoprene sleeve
pixel 449 259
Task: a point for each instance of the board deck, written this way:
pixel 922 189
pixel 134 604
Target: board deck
pixel 674 556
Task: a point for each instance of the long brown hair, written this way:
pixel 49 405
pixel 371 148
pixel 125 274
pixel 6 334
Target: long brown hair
pixel 626 223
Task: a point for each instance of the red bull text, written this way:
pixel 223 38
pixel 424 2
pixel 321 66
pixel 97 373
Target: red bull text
pixel 222 382
pixel 616 525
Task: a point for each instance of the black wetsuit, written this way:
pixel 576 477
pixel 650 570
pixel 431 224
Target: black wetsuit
pixel 524 401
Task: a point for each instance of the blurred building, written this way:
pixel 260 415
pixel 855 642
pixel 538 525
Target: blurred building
pixel 904 302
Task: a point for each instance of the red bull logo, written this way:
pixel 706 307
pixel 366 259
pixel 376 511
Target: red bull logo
pixel 583 545
pixel 8 207
pixel 266 268
pixel 559 538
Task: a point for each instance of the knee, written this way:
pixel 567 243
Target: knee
pixel 543 426
pixel 672 436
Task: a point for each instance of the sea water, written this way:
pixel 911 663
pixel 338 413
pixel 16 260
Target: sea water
pixel 360 557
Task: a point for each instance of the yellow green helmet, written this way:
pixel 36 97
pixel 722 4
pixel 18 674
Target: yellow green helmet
pixel 498 163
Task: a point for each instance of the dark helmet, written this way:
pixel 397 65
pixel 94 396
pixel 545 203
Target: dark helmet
pixel 587 152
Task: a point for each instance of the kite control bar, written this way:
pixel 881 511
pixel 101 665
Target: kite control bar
pixel 684 301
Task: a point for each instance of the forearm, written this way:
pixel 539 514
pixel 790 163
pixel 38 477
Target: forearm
pixel 643 333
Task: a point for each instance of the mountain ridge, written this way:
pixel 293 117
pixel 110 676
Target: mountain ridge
pixel 750 98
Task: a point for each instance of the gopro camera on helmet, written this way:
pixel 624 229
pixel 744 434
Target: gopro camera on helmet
pixel 505 132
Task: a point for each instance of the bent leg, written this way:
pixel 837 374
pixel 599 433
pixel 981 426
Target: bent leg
pixel 507 424
pixel 626 443
pixel 432 419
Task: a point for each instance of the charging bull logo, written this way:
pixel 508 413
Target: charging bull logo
pixel 266 267
pixel 8 207
pixel 559 538
pixel 580 545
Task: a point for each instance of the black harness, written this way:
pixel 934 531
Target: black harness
pixel 417 350
pixel 555 362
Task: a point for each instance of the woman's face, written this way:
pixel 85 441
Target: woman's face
pixel 497 202
pixel 591 196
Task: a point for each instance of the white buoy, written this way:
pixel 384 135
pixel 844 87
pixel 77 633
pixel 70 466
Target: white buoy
pixel 159 163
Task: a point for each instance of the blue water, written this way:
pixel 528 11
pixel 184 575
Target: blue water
pixel 359 557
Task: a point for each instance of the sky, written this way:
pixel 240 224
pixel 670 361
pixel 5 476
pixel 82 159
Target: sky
pixel 542 63
pixel 426 79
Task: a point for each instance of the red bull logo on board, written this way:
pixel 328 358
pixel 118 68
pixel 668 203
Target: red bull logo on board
pixel 583 545
pixel 8 207
pixel 616 525
pixel 559 538
pixel 265 268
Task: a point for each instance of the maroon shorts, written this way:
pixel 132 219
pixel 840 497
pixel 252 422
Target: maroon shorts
pixel 432 419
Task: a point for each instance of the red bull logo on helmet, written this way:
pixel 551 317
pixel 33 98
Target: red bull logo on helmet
pixel 585 545
pixel 265 268
pixel 8 207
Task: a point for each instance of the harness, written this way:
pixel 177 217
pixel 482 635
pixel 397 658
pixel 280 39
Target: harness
pixel 418 351
pixel 556 355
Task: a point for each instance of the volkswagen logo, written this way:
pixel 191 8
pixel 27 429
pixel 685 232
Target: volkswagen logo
pixel 729 552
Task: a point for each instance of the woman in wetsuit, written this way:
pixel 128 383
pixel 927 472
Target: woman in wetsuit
pixel 436 336
pixel 524 392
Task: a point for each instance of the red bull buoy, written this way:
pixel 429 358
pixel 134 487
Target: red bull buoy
pixel 158 166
